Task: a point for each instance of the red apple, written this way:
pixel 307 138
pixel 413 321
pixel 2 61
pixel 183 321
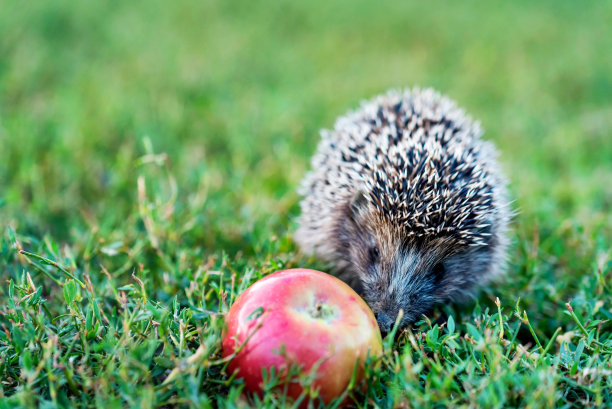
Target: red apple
pixel 314 318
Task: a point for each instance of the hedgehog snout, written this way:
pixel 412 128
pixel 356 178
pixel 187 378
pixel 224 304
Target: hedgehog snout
pixel 386 311
pixel 407 288
pixel 385 323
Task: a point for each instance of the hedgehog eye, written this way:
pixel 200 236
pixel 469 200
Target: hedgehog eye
pixel 438 271
pixel 374 254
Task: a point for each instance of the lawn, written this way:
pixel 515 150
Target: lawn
pixel 149 158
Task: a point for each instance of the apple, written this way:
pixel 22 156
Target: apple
pixel 302 317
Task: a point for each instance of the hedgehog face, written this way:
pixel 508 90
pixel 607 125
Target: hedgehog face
pixel 403 278
pixel 398 272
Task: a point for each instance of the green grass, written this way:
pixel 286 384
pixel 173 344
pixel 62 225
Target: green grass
pixel 151 151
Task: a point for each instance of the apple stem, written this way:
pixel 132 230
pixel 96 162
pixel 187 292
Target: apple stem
pixel 322 310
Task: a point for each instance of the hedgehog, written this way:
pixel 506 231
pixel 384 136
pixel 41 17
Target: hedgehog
pixel 407 204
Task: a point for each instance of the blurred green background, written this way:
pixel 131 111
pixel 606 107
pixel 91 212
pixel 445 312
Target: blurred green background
pixel 235 93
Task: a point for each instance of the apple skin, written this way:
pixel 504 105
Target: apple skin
pixel 314 317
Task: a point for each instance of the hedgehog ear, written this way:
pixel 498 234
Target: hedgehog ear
pixel 358 206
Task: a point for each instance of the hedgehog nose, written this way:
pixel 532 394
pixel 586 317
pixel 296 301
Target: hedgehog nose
pixel 384 322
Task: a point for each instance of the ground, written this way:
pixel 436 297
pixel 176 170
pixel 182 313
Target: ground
pixel 150 156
